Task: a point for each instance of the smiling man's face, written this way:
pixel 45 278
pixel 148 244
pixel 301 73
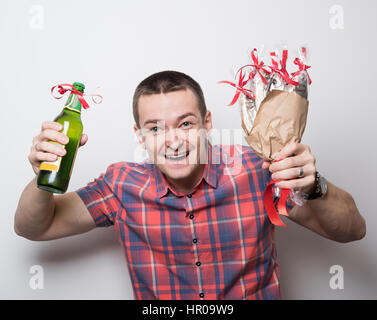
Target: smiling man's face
pixel 174 134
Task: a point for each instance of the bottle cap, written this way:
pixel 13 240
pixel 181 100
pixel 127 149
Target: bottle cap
pixel 79 86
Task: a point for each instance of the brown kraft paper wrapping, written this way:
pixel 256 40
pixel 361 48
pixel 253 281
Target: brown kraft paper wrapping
pixel 281 119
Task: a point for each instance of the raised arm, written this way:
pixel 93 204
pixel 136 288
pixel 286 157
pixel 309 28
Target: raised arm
pixel 334 216
pixel 41 215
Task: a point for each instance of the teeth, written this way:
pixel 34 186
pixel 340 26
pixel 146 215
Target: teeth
pixel 179 157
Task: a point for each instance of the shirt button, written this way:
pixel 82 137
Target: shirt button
pixel 195 240
pixel 198 263
pixel 201 295
pixel 191 216
pixel 189 195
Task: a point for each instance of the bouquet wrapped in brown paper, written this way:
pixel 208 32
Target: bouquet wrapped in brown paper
pixel 274 107
pixel 273 103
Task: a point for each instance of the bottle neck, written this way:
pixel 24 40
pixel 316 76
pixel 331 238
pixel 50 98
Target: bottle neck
pixel 73 104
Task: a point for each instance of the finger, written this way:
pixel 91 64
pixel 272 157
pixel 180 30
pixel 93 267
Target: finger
pixel 293 173
pixel 51 125
pixel 53 148
pixel 300 160
pixel 296 183
pixel 84 139
pixel 291 149
pixel 53 135
pixel 39 156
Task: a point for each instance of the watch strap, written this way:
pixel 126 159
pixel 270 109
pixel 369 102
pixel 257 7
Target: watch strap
pixel 318 192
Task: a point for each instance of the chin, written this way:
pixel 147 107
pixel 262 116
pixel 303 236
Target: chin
pixel 181 170
pixel 176 174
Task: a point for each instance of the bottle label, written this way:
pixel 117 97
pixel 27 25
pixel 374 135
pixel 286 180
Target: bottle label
pixel 55 165
pixel 73 104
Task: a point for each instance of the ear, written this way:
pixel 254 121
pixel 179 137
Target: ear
pixel 208 121
pixel 139 135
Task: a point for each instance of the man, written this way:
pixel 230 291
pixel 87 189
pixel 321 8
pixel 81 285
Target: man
pixel 190 227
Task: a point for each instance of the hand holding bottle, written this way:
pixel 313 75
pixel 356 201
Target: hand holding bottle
pixel 43 150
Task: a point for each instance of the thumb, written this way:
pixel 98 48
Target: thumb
pixel 84 139
pixel 265 165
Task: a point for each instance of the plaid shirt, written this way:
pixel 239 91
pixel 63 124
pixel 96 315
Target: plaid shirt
pixel 213 243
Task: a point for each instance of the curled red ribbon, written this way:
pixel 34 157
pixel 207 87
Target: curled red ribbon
pixel 62 90
pixel 269 205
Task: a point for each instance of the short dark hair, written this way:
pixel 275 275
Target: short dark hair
pixel 164 82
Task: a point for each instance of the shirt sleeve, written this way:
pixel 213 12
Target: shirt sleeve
pixel 99 198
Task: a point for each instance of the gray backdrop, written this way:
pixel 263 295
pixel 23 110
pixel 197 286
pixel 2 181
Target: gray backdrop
pixel 116 44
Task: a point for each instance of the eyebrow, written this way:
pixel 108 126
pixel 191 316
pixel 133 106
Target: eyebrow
pixel 178 119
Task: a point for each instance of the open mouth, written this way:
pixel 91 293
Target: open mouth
pixel 177 157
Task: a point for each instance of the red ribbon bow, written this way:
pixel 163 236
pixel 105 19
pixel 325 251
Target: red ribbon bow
pixel 302 67
pixel 283 69
pixel 240 87
pixel 62 90
pixel 258 65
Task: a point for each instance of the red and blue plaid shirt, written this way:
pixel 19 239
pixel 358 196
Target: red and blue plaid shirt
pixel 213 243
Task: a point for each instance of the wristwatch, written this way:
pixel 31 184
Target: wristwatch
pixel 320 189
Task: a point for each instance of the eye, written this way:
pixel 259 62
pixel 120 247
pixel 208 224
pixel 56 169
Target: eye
pixel 155 129
pixel 186 123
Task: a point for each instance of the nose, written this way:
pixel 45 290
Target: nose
pixel 173 139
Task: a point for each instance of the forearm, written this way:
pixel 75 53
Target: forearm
pixel 35 211
pixel 335 216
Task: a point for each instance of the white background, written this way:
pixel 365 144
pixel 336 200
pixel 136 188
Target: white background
pixel 115 45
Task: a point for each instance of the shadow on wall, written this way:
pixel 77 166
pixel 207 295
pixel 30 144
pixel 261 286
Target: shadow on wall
pixel 305 259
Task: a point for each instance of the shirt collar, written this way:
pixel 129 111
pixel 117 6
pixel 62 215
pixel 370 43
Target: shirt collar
pixel 209 175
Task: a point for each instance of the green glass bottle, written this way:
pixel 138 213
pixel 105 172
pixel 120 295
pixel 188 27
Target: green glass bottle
pixel 54 176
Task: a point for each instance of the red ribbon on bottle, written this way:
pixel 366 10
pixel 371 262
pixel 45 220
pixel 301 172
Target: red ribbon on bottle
pixel 62 90
pixel 269 205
